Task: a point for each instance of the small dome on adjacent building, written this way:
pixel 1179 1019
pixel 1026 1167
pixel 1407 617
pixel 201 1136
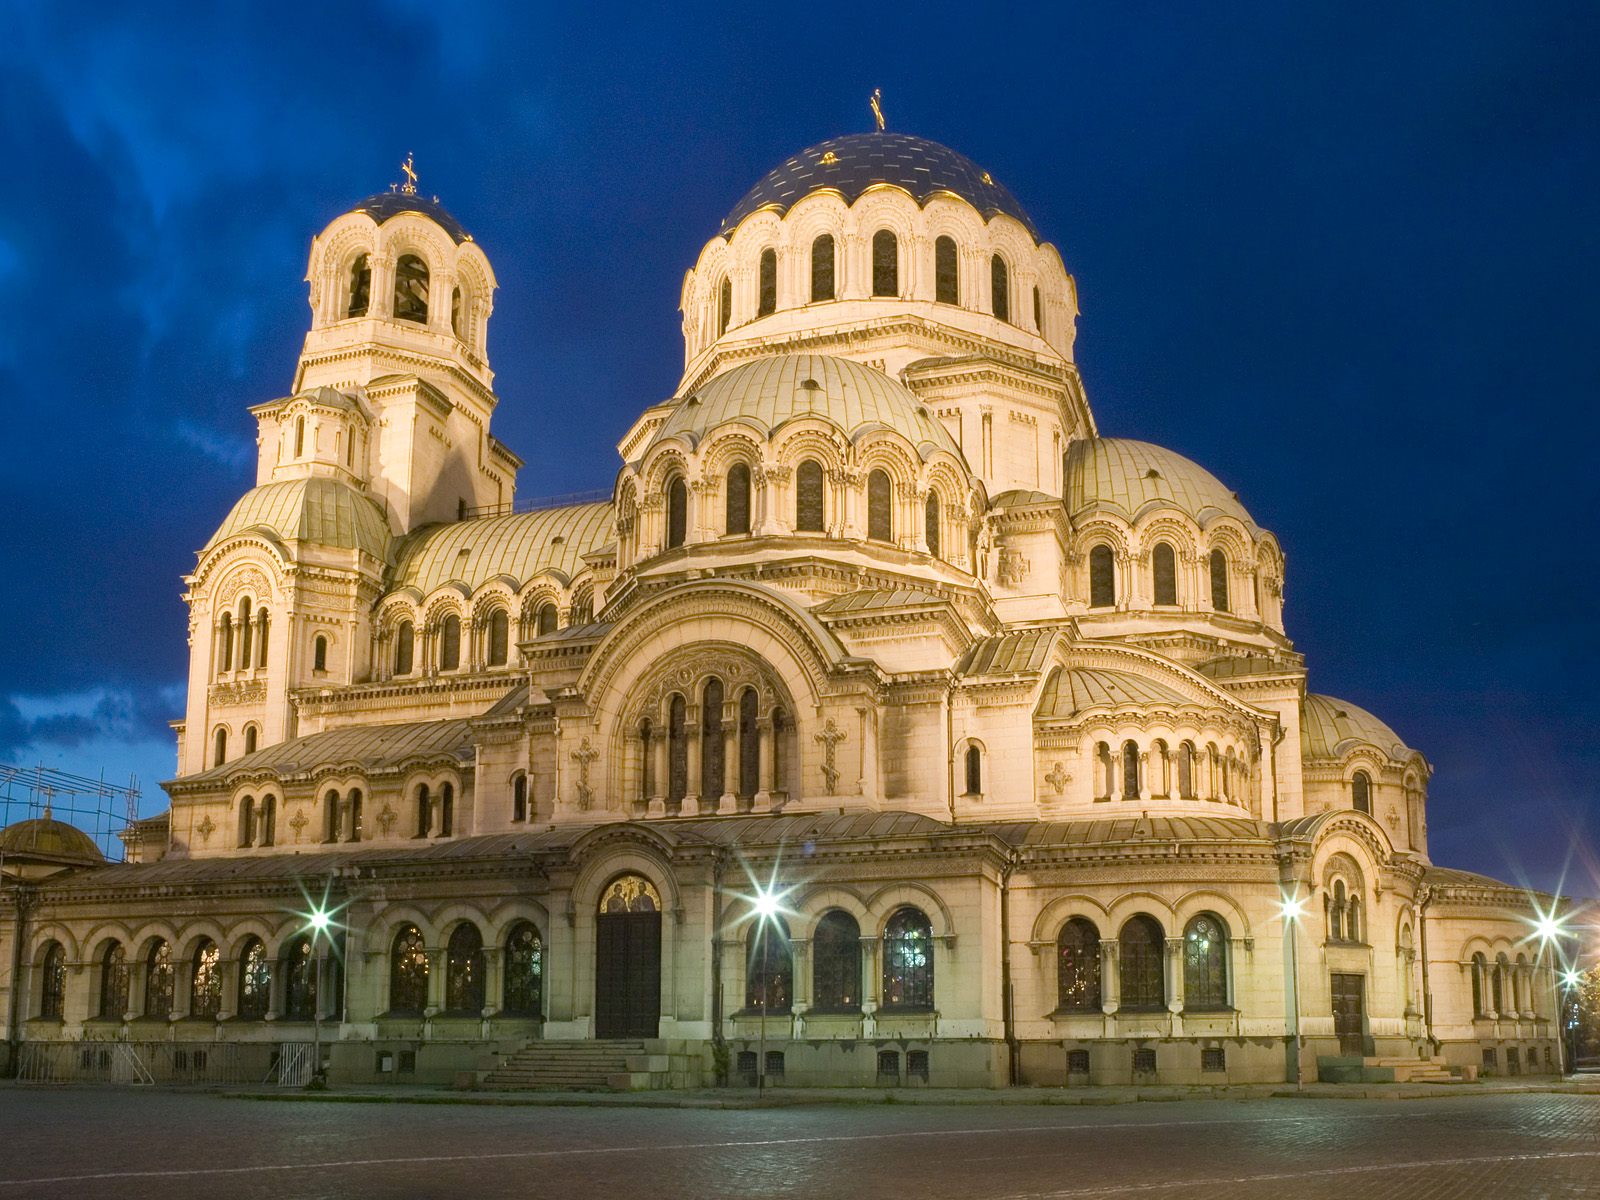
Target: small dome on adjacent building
pixel 46 840
pixel 386 205
pixel 326 512
pixel 853 164
pixel 773 391
pixel 1329 726
pixel 1127 476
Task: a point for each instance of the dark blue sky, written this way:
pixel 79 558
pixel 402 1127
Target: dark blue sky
pixel 1344 256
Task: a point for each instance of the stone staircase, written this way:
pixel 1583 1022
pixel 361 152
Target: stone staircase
pixel 599 1066
pixel 1351 1069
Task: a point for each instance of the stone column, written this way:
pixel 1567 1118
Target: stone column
pixel 1110 977
pixel 765 783
pixel 694 732
pixel 493 979
pixel 658 785
pixel 1174 967
pixel 728 801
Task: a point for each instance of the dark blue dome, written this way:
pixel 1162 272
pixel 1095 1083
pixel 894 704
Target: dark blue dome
pixel 391 204
pixel 852 164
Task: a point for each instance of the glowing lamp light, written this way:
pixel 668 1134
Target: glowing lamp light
pixel 1571 978
pixel 1547 928
pixel 318 920
pixel 765 903
pixel 1291 909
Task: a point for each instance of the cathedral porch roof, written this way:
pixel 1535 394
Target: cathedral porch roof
pixel 369 747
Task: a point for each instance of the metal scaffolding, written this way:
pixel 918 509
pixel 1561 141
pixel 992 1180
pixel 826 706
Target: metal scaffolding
pixel 102 810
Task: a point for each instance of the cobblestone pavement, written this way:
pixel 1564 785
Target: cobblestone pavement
pixel 89 1143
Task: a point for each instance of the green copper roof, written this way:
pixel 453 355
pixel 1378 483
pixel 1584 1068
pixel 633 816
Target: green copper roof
pixel 326 512
pixel 48 839
pixel 1073 690
pixel 521 545
pixel 372 747
pixel 1327 725
pixel 1126 476
pixel 771 392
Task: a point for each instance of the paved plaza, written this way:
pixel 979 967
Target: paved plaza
pixel 88 1143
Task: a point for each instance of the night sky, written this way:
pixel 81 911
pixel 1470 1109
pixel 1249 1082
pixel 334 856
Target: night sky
pixel 1343 256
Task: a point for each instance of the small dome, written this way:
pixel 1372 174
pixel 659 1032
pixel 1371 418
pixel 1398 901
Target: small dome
pixel 1328 727
pixel 852 164
pixel 385 205
pixel 327 512
pixel 521 546
pixel 44 839
pixel 1071 691
pixel 1127 476
pixel 773 391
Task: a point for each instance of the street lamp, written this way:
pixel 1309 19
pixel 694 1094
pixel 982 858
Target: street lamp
pixel 764 904
pixel 1550 929
pixel 1290 909
pixel 318 921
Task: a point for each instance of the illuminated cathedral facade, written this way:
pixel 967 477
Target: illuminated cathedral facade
pixel 887 724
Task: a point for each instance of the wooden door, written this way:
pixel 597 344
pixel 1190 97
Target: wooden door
pixel 1349 1013
pixel 627 1001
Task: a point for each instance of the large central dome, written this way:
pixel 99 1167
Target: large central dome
pixel 852 164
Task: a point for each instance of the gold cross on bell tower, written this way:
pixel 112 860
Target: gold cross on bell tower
pixel 877 108
pixel 409 187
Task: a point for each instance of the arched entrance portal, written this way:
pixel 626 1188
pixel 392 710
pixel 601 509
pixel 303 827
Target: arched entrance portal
pixel 627 986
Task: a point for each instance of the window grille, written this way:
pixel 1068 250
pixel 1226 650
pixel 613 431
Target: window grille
pixel 1144 1062
pixel 888 1066
pixel 908 960
pixel 836 963
pixel 917 1065
pixel 1077 1062
pixel 1213 1058
pixel 1078 966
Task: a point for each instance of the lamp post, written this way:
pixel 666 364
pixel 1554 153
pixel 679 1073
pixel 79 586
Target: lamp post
pixel 1290 909
pixel 1571 979
pixel 318 921
pixel 765 906
pixel 1549 930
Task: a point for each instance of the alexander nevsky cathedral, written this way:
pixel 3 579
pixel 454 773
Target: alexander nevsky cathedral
pixel 889 723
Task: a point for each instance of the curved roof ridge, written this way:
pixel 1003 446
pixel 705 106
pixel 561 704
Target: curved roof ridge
pixel 1129 475
pixel 1071 690
pixel 522 546
pixel 384 206
pixel 1327 724
pixel 329 512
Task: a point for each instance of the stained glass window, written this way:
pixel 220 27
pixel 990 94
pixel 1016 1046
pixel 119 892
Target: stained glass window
pixel 408 972
pixel 1186 771
pixel 53 985
pixel 1078 966
pixel 930 523
pixel 749 744
pixel 1141 969
pixel 713 747
pixel 158 981
pixel 677 750
pixel 908 960
pixel 1130 770
pixel 547 619
pixel 255 981
pixel 974 771
pixel 205 980
pixel 299 981
pixel 1361 792
pixel 630 894
pixel 1205 964
pixel 464 970
pixel 724 305
pixel 836 963
pixel 524 982
pixel 808 497
pixel 114 982
pixel 769 980
pixel 450 643
pixel 677 511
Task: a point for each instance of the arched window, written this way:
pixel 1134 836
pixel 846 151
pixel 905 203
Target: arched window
pixel 1205 964
pixel 749 744
pixel 1186 771
pixel 1219 581
pixel 822 268
pixel 946 272
pixel 330 816
pixel 1158 775
pixel 647 768
pixel 355 814
pixel 299 436
pixel 546 620
pixel 1361 792
pixel 360 287
pixel 1140 967
pixel 1497 985
pixel 724 305
pixel 713 748
pixel 1103 771
pixel 1102 577
pixel 930 523
pixel 247 821
pixel 880 506
pixel 245 630
pixel 261 642
pixel 1130 771
pixel 250 739
pixel 885 264
pixel 225 643
pixel 677 751
pixel 499 637
pixel 424 810
pixel 53 983
pixel 450 643
pixel 455 313
pixel 114 982
pixel 463 970
pixel 219 747
pixel 1038 312
pixel 319 654
pixel 836 964
pixel 677 511
pixel 447 810
pixel 808 497
pixel 299 981
pixel 1480 967
pixel 1164 569
pixel 767 284
pixel 1000 287
pixel 255 980
pixel 1078 966
pixel 405 641
pixel 411 289
pixel 408 972
pixel 769 978
pixel 974 771
pixel 519 797
pixel 908 960
pixel 738 503
pixel 205 980
pixel 524 970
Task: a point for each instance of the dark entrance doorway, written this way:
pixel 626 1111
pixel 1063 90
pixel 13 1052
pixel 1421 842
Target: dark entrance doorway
pixel 627 986
pixel 1348 1013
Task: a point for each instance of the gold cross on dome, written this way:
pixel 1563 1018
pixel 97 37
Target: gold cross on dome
pixel 409 187
pixel 877 108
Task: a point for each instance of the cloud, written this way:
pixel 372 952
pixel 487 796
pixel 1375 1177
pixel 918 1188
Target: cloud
pixel 73 720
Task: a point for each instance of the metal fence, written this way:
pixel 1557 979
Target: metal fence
pixel 134 1064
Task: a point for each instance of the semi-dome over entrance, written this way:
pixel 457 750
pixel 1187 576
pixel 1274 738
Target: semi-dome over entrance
pixel 852 164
